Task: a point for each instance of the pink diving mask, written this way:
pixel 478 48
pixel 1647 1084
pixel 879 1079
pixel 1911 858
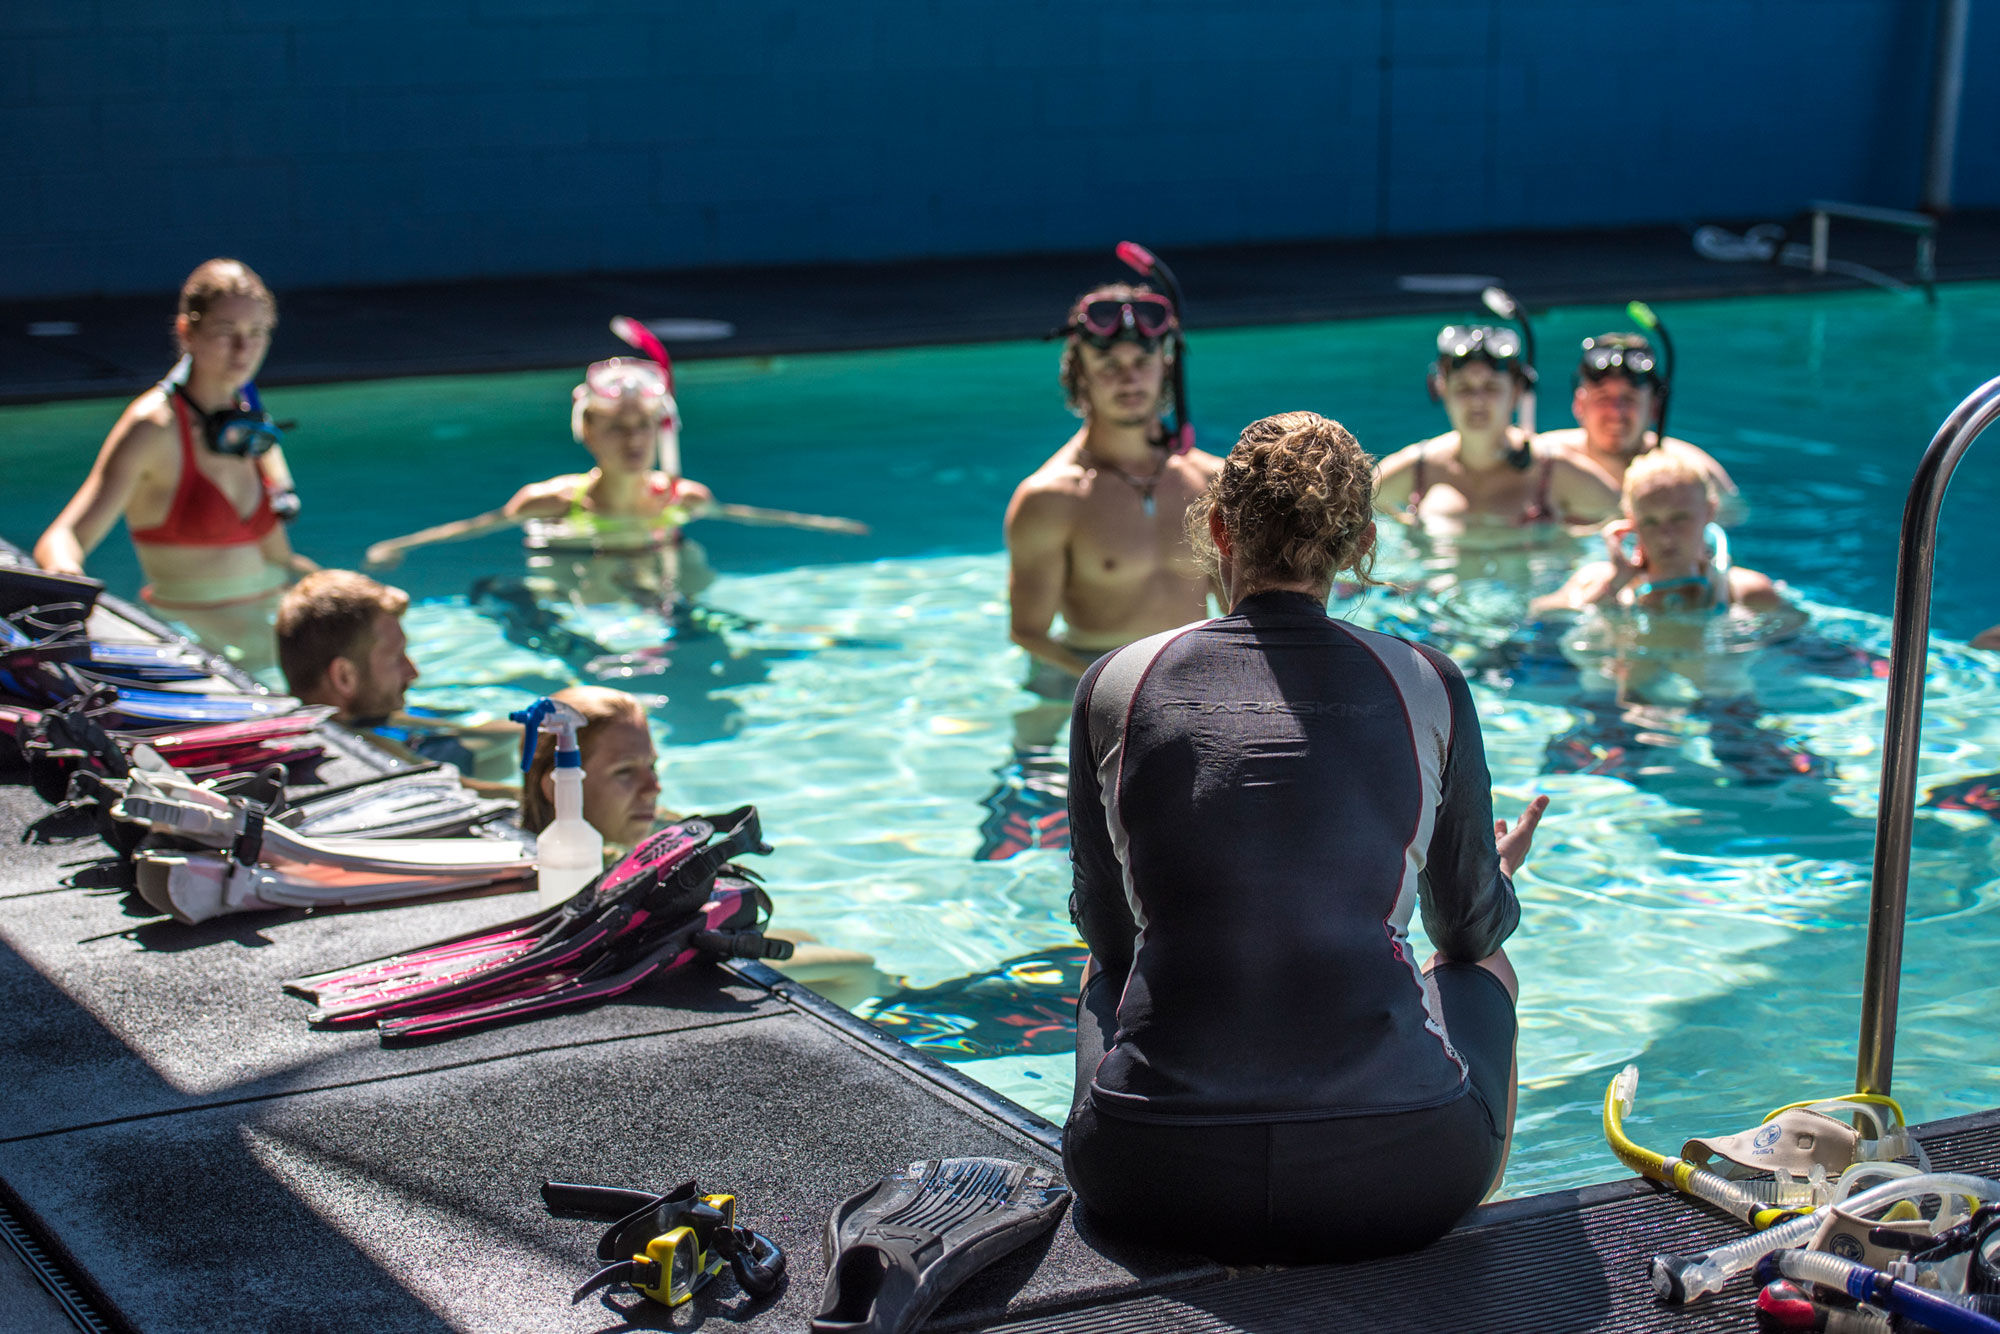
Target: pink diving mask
pixel 626 379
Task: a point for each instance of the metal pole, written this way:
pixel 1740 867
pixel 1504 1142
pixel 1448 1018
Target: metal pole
pixel 1947 82
pixel 1901 730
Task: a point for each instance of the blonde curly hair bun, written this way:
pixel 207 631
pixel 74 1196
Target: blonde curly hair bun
pixel 1295 496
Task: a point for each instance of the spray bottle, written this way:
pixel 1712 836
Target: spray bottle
pixel 569 853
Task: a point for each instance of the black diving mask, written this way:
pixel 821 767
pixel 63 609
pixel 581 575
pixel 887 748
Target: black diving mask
pixel 239 431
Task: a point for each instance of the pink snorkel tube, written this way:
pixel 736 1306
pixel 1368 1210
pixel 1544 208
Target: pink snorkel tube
pixel 637 336
pixel 1148 265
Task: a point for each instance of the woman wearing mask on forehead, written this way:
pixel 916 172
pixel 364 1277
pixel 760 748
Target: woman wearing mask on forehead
pixel 192 466
pixel 628 509
pixel 1483 479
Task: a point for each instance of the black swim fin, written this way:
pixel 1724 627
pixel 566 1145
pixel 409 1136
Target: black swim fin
pixel 898 1247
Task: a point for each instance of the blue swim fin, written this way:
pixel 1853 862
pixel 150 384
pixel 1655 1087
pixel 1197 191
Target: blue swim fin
pixel 895 1250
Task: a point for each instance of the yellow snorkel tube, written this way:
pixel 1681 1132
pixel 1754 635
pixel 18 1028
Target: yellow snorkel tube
pixel 1739 1199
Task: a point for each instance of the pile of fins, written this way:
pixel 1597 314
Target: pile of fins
pixel 67 701
pixel 208 852
pixel 670 901
pixel 895 1250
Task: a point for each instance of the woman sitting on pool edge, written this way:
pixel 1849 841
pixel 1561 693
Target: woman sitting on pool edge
pixel 627 505
pixel 1484 477
pixel 1259 804
pixel 621 792
pixel 202 520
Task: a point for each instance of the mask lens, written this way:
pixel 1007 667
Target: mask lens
pixel 623 377
pixel 1462 342
pixel 680 1278
pixel 1104 318
pixel 1152 315
pixel 1634 362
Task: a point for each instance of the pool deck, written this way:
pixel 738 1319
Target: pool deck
pixel 120 344
pixel 188 1155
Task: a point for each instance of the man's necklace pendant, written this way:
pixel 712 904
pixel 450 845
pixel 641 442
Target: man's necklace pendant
pixel 1146 503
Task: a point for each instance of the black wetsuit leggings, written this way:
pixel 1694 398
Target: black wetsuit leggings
pixel 1343 1188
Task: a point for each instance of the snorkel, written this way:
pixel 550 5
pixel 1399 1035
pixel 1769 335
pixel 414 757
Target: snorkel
pixel 1148 265
pixel 1504 306
pixel 637 336
pixel 1642 315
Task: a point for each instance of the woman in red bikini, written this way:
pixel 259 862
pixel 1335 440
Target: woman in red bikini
pixel 1483 480
pixel 193 468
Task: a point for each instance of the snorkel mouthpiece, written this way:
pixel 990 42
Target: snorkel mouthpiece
pixel 556 719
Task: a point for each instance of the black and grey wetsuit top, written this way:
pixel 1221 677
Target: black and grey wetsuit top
pixel 1257 804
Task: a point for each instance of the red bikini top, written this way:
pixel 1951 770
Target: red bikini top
pixel 200 515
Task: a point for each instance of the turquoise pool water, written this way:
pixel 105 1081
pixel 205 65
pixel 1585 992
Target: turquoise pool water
pixel 1697 905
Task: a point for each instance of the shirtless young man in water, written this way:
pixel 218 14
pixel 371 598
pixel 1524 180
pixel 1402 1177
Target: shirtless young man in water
pixel 1484 479
pixel 1619 393
pixel 1098 533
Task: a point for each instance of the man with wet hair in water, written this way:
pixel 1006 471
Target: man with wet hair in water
pixel 341 643
pixel 1097 535
pixel 1620 390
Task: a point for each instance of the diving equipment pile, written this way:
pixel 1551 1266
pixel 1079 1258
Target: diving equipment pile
pixel 895 1250
pixel 668 1246
pixel 47 657
pixel 210 852
pixel 1834 1206
pixel 69 702
pixel 672 900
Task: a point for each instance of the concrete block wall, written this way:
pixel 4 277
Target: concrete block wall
pixel 438 139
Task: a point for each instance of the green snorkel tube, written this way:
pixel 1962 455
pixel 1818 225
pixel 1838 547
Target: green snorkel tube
pixel 1148 265
pixel 1642 315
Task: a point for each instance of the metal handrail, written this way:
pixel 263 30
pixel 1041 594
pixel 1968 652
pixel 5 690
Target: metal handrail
pixel 1897 806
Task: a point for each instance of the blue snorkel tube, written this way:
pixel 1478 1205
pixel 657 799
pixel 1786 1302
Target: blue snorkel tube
pixel 1148 265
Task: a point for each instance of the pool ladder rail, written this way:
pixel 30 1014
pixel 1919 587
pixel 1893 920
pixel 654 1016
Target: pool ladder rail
pixel 1909 658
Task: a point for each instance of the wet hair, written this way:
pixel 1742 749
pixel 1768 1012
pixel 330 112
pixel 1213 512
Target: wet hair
pixel 326 615
pixel 1296 498
pixel 1660 468
pixel 601 707
pixel 219 278
pixel 1070 372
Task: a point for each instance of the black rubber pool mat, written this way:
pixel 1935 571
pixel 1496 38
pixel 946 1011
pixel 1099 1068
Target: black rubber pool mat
pixel 1556 1264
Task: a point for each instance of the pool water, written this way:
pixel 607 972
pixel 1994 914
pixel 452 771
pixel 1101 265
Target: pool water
pixel 1697 899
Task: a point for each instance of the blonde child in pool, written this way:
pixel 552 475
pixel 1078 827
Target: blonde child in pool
pixel 621 793
pixel 621 521
pixel 1659 561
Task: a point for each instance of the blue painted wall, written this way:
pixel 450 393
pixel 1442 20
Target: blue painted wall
pixel 334 143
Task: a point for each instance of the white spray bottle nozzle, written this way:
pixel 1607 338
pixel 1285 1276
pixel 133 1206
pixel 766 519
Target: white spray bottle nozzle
pixel 556 719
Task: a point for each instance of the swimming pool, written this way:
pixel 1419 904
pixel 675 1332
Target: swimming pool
pixel 1682 910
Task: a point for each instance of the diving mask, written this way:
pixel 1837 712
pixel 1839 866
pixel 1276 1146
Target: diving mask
pixel 1619 354
pixel 1143 317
